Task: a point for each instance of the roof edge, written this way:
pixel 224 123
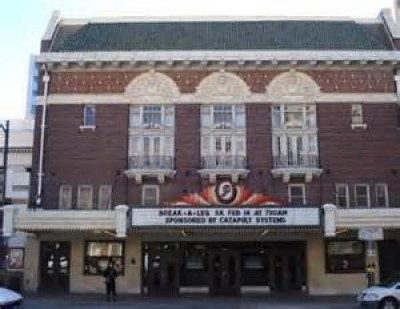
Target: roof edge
pixel 150 19
pixel 229 55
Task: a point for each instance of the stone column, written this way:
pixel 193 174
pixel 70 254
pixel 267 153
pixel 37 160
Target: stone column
pixel 330 220
pixel 121 220
pixel 8 220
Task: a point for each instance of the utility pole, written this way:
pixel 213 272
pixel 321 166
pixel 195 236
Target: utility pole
pixel 6 131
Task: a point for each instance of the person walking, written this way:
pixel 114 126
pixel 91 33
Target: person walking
pixel 110 275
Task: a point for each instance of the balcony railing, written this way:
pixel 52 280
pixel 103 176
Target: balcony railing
pixel 299 161
pixel 151 162
pixel 225 162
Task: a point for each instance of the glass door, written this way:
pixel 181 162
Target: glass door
pixel 54 266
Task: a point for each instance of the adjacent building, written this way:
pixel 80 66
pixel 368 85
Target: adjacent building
pixel 221 156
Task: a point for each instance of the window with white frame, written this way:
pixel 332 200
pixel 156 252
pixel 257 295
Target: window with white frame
pixel 65 197
pixel 356 114
pixel 89 116
pixel 222 116
pixel 152 116
pixel 85 197
pixel 150 195
pixel 294 139
pixel 362 195
pixel 381 195
pixel 223 136
pixel 294 116
pixel 342 195
pixel 297 194
pixel 104 197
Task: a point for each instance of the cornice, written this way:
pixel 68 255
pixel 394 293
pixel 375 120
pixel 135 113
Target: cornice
pixel 77 99
pixel 199 57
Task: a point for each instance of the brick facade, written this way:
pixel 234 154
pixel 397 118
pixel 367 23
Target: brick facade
pixel 342 81
pixel 99 157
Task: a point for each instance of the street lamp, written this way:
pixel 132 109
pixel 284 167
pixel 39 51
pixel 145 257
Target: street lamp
pixel 6 129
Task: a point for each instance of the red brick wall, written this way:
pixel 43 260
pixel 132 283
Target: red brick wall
pixel 74 157
pixel 97 157
pixel 345 81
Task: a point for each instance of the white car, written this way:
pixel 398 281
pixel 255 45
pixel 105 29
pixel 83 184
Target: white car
pixel 385 296
pixel 10 299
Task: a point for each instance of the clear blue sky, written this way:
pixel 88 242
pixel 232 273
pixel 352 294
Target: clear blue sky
pixel 23 22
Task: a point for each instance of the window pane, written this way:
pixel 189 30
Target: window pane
pixel 85 197
pixel 381 195
pixel 361 195
pixel 342 195
pixel 152 116
pixel 294 117
pixel 65 201
pixel 356 114
pixel 104 201
pixel 345 257
pixel 99 253
pixel 223 116
pixel 150 196
pixel 89 116
pixel 276 117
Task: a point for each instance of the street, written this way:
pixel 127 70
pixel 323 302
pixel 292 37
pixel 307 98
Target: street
pixel 137 302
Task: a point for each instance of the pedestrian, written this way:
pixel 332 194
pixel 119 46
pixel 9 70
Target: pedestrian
pixel 371 274
pixel 110 275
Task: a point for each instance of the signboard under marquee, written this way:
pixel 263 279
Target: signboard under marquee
pixel 218 216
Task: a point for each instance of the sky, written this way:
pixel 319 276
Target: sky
pixel 23 23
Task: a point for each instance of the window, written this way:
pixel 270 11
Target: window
pixel 297 194
pixel 85 197
pixel 99 253
pixel 344 256
pixel 104 199
pixel 357 116
pixel 150 195
pixel 89 116
pixel 294 116
pixel 342 195
pixel 65 197
pixel 362 196
pixel 381 195
pixel 152 116
pixel 223 116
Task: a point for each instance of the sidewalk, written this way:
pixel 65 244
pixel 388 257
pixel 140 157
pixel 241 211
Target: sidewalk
pixel 78 301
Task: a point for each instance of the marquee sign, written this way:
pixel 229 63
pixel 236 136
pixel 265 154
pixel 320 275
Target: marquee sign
pixel 206 217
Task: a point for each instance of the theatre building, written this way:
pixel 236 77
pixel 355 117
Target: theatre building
pixel 217 157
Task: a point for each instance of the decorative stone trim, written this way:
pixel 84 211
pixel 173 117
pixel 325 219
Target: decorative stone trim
pixel 152 87
pixel 288 173
pixel 222 87
pixel 159 174
pixel 79 99
pixel 217 56
pixel 293 87
pixel 212 174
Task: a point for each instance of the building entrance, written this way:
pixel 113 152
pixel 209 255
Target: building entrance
pixel 54 266
pixel 224 269
pixel 224 272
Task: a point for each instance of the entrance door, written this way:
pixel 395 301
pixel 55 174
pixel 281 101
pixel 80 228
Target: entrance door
pixel 163 269
pixel 389 264
pixel 224 272
pixel 54 266
pixel 287 272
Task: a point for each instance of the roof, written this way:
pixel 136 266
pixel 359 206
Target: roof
pixel 221 36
